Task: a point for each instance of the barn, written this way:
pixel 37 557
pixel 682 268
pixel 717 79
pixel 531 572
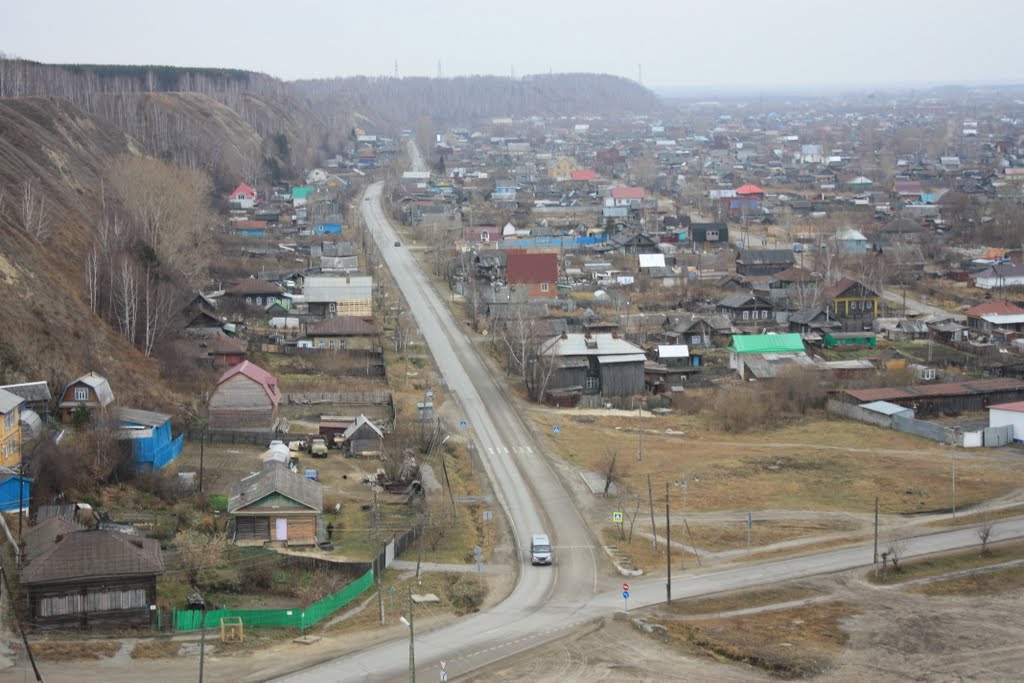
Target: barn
pixel 246 399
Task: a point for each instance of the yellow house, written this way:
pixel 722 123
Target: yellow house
pixel 10 428
pixel 562 168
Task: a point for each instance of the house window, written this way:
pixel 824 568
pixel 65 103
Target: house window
pixel 259 301
pixel 593 382
pixel 9 420
pixel 330 343
pixel 333 308
pixel 60 604
pixel 319 343
pixel 103 601
pixel 746 315
pixel 81 393
pixel 695 340
pixel 764 315
pixel 543 286
pixel 9 449
pixel 248 300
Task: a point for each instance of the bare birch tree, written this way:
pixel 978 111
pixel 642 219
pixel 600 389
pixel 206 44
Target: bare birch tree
pixel 126 299
pixel 33 212
pixel 157 310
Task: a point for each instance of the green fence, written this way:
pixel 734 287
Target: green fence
pixel 191 620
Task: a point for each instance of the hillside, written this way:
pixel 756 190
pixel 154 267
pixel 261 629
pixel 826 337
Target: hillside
pixel 48 330
pixel 470 99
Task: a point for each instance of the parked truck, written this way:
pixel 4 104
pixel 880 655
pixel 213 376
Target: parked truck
pixel 318 447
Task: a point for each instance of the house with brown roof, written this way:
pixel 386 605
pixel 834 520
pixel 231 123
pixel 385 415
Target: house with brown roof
pixel 853 304
pixel 82 578
pixel 344 332
pixel 275 505
pixel 223 351
pixel 535 274
pixel 91 392
pixel 993 315
pixel 246 398
pixel 253 292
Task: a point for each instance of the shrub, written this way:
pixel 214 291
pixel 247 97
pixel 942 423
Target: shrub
pixel 465 593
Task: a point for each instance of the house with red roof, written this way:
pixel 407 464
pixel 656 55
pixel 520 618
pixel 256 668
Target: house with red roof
pixel 993 315
pixel 750 191
pixel 536 274
pixel 583 176
pixel 242 197
pixel 625 196
pixel 245 399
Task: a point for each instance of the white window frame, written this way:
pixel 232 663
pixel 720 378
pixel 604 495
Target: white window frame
pixel 81 394
pixel 746 315
pixel 544 286
pixel 9 420
pixel 248 301
pixel 593 382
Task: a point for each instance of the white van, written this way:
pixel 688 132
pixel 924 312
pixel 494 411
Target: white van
pixel 540 549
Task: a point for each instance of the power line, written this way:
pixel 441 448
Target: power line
pixel 21 629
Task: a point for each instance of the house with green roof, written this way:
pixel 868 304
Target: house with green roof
pixel 761 356
pixel 300 196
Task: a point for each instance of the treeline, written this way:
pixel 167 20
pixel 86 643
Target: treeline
pixel 468 99
pixel 152 104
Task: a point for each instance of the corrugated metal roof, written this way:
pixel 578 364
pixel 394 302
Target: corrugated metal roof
pixel 594 344
pixel 1015 407
pixel 275 478
pixel 884 407
pixel 768 343
pixel 628 358
pixel 967 388
pixel 673 351
pixel 9 401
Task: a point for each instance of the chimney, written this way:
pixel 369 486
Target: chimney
pixel 615 334
pixel 564 335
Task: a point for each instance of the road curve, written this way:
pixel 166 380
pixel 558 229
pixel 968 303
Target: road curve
pixel 530 494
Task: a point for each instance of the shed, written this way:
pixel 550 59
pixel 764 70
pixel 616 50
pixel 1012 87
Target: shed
pixel 89 391
pixel 15 491
pixel 1008 414
pixel 363 438
pixel 149 437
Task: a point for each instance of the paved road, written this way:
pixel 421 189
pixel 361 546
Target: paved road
pixel 526 488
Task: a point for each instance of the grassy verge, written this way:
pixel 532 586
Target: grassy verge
pixel 733 536
pixel 791 643
pixel 995 582
pixel 156 649
pixel 641 551
pixel 70 650
pixel 745 600
pixel 979 517
pixel 944 564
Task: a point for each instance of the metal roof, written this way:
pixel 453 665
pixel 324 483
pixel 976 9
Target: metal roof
pixel 768 343
pixel 9 401
pixel 628 358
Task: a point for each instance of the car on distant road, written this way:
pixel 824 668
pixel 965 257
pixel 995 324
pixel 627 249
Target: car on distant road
pixel 397 243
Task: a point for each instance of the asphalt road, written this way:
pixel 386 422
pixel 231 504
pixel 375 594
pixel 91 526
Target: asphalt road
pixel 545 599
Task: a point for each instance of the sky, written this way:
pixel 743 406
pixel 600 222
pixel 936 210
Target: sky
pixel 703 44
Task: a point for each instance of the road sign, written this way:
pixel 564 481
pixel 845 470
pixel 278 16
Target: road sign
pixel 463 424
pixel 444 672
pixel 391 591
pixel 430 395
pixel 555 429
pixel 625 594
pixel 488 515
pixel 625 586
pixel 477 552
pixel 617 517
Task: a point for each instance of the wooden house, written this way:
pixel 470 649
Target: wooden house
pixel 328 295
pixel 344 332
pixel 602 364
pixel 275 505
pixel 223 351
pixel 10 428
pixel 91 392
pixel 534 274
pixel 762 356
pixel 246 398
pixel 252 293
pixel 746 308
pixel 757 262
pixel 81 578
pixel 853 304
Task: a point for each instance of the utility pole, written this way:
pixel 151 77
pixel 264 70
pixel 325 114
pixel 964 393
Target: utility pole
pixel 668 552
pixel 639 413
pixel 202 644
pixel 412 639
pixel 650 505
pixel 202 451
pixel 875 561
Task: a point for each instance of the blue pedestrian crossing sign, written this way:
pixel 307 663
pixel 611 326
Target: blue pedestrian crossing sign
pixel 463 424
pixel 617 517
pixel 555 429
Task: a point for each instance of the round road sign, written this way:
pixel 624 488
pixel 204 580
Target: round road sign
pixel 625 586
pixel 625 594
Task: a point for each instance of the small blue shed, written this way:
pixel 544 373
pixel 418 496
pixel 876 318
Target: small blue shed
pixel 11 498
pixel 328 229
pixel 149 437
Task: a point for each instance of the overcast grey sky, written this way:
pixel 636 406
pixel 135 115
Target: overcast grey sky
pixel 673 42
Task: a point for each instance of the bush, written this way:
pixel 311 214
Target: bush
pixel 258 574
pixel 465 593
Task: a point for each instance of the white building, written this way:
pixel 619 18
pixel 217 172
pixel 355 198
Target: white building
pixel 1008 414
